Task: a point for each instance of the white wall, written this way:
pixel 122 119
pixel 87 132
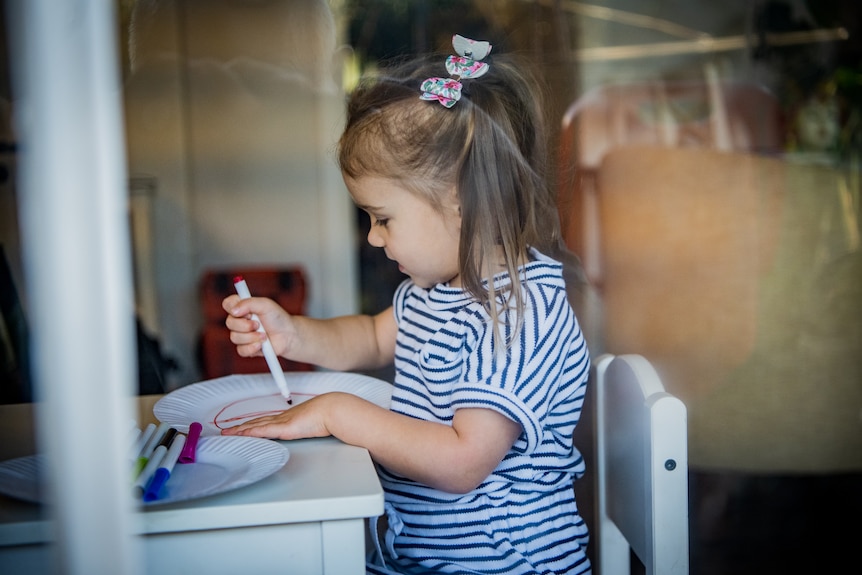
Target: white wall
pixel 234 109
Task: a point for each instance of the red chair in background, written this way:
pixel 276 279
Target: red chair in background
pixel 218 356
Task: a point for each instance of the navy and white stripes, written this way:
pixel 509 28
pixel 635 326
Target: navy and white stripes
pixel 523 517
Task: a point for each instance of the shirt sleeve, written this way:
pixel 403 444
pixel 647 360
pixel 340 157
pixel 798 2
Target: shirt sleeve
pixel 529 379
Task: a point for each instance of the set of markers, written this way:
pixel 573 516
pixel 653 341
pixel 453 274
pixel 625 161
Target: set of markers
pixel 154 453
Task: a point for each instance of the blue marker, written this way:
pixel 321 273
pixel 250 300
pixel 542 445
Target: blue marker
pixel 163 473
pixel 144 476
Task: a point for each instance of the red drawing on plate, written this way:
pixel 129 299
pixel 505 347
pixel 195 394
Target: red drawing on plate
pixel 241 410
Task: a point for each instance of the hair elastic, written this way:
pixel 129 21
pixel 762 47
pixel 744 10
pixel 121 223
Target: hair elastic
pixel 466 65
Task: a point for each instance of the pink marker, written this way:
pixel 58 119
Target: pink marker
pixel 268 351
pixel 189 452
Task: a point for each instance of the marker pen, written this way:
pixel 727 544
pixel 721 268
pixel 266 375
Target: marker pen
pixel 163 472
pixel 268 351
pixel 153 436
pixel 132 439
pixel 142 440
pixel 144 476
pixel 168 437
pixel 154 439
pixel 189 452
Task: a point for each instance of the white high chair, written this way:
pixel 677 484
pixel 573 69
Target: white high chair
pixel 642 469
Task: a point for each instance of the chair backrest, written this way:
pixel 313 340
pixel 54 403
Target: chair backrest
pixel 642 469
pixel 703 115
pixel 703 221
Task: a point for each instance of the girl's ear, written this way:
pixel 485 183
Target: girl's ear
pixel 453 203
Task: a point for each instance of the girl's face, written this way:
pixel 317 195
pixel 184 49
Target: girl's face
pixel 423 240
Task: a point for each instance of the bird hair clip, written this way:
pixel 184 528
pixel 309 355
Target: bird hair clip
pixel 466 65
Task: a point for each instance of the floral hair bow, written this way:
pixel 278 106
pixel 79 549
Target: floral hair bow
pixel 466 65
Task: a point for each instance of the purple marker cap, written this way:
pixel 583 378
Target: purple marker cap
pixel 155 485
pixel 187 455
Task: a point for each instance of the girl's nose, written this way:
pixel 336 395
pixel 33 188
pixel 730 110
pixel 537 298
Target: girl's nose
pixel 374 238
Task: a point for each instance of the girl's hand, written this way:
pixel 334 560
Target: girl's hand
pixel 306 419
pixel 243 329
pixel 453 458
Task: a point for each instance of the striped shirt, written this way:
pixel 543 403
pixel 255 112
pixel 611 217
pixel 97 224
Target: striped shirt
pixel 523 518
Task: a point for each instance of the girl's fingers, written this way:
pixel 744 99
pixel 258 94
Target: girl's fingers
pixel 263 421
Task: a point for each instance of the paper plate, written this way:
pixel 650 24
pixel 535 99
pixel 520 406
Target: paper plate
pixel 228 401
pixel 222 464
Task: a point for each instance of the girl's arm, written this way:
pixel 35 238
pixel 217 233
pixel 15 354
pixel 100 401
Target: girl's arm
pixel 455 459
pixel 341 343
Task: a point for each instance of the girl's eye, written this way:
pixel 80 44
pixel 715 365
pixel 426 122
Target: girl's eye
pixel 381 222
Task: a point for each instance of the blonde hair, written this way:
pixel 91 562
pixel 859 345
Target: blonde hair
pixel 491 146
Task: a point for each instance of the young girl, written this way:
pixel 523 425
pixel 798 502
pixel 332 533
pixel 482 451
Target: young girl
pixel 475 454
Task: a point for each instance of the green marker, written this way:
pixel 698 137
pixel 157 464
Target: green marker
pixel 149 447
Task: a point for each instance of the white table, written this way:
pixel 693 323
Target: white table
pixel 307 518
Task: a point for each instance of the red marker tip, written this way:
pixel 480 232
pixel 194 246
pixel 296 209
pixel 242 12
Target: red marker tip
pixel 237 279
